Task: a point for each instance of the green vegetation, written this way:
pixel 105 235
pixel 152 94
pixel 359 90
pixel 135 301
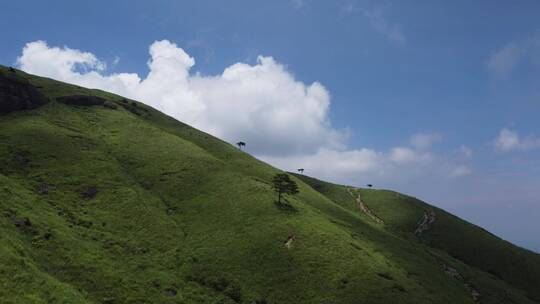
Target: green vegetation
pixel 106 200
pixel 452 240
pixel 283 184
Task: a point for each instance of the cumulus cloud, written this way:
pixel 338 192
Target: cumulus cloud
pixel 333 165
pixel 359 165
pixel 405 155
pixel 59 63
pixel 261 104
pixel 380 23
pixel 509 140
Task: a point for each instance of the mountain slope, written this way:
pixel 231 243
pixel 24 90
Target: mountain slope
pixel 463 242
pixel 106 200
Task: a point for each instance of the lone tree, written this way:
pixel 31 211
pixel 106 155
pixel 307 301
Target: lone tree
pixel 240 144
pixel 283 184
pixel 301 170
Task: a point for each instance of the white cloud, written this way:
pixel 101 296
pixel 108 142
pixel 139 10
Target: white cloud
pixel 359 165
pixel 333 165
pixel 404 155
pixel 380 23
pixel 425 140
pixel 460 171
pixel 509 57
pixel 59 63
pixel 261 104
pixel 509 140
pixel 502 62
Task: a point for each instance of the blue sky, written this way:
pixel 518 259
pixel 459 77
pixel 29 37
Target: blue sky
pixel 437 99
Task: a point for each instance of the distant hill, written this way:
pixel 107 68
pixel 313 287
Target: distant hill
pixel 106 200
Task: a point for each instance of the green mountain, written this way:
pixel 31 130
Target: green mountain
pixel 106 200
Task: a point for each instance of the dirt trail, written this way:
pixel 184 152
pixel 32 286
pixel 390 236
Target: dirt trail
pixel 426 221
pixel 452 272
pixel 364 208
pixel 289 241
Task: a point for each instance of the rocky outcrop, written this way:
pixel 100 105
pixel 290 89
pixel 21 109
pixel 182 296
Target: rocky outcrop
pixel 454 273
pixel 86 101
pixel 16 93
pixel 89 192
pixel 82 100
pixel 289 241
pixel 425 222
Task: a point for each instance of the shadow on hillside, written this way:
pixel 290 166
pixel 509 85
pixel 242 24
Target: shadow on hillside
pixel 285 206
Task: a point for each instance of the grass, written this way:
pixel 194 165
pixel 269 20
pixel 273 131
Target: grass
pixel 487 260
pixel 182 217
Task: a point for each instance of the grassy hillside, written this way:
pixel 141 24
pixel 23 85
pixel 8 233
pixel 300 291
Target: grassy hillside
pixel 462 242
pixel 106 200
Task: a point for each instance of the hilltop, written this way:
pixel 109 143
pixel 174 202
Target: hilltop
pixel 106 200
